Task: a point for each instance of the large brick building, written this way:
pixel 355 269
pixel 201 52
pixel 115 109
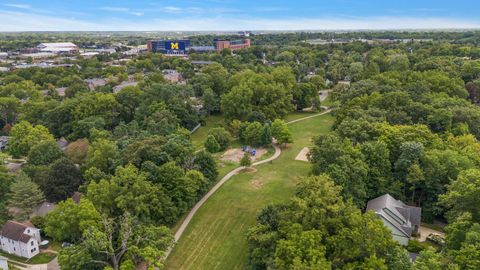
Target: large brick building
pixel 234 45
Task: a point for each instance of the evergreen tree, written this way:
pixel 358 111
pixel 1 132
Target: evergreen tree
pixel 25 195
pixel 267 135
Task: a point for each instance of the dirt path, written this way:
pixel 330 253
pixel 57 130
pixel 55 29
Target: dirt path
pixel 229 175
pixel 308 117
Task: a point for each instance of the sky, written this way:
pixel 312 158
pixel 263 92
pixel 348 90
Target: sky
pixel 233 15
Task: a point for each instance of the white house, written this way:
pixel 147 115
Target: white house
pixel 401 219
pixel 3 263
pixel 19 239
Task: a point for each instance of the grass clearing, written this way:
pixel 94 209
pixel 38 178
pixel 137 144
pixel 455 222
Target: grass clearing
pixel 200 135
pixel 40 258
pixel 216 237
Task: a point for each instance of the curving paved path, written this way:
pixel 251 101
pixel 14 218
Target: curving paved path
pixel 227 177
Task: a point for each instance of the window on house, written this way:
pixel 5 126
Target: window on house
pixel 31 243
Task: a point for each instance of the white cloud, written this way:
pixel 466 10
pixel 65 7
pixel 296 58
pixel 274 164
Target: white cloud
pixel 136 13
pixel 115 9
pixel 172 9
pixel 19 21
pixel 21 6
pixel 122 10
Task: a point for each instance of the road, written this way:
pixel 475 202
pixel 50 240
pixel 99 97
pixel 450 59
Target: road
pixel 193 211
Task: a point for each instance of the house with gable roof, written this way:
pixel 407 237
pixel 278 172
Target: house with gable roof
pixel 19 239
pixel 401 219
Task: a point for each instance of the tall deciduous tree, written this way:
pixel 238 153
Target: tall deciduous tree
pixel 463 195
pixel 44 153
pixel 211 144
pixel 281 132
pixel 318 230
pixel 205 163
pixel 253 134
pixel 69 220
pixel 24 136
pixel 63 180
pixel 118 243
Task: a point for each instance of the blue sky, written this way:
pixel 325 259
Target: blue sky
pixel 205 15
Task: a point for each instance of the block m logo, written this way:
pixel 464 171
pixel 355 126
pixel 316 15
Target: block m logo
pixel 174 46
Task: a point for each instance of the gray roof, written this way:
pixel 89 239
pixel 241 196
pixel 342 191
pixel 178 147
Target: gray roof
pixel 44 208
pixel 394 211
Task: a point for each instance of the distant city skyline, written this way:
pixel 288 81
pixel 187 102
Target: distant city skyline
pixel 232 15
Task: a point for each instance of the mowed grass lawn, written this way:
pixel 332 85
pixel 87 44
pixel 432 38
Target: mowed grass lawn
pixel 216 237
pixel 200 135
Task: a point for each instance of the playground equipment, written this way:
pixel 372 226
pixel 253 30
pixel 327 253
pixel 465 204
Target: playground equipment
pixel 250 150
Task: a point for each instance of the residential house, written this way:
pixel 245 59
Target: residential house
pixel 172 76
pixel 19 239
pixel 3 263
pixel 124 84
pixel 96 82
pixel 401 219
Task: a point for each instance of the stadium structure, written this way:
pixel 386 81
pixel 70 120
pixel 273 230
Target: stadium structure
pixel 182 47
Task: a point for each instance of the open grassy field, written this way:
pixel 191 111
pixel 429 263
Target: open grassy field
pixel 199 136
pixel 216 238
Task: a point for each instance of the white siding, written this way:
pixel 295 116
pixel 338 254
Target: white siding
pixel 396 233
pixel 3 264
pixel 26 250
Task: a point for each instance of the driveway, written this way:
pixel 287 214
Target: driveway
pixel 425 232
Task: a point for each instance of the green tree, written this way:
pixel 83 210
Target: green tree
pixel 130 191
pixel 429 259
pixel 266 135
pixel 221 136
pixel 44 153
pixel 24 136
pixel 24 196
pixel 116 243
pixel 253 134
pixel 281 132
pixel 211 145
pixel 246 160
pixel 211 103
pixel 463 195
pixel 6 180
pixel 218 78
pixel 102 154
pixel 69 220
pixel 63 180
pixel 304 94
pixel 318 230
pixel 206 164
pixel 77 151
pixel 468 256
